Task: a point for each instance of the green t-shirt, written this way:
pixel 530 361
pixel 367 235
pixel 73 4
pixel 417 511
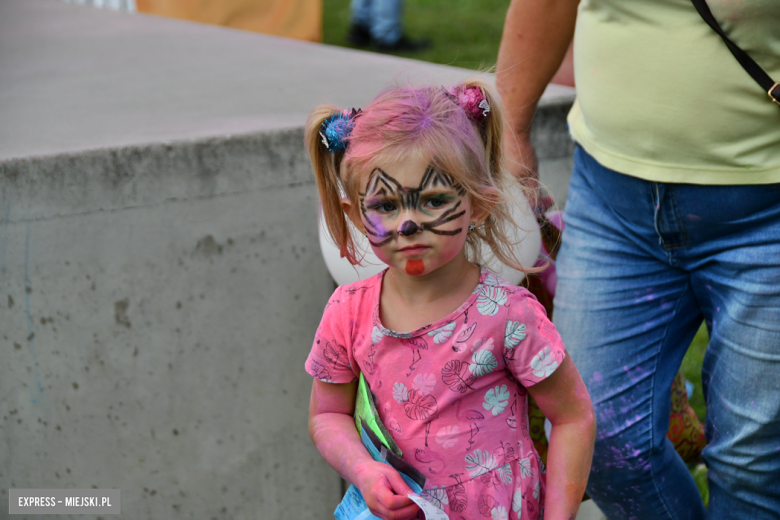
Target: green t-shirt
pixel 660 97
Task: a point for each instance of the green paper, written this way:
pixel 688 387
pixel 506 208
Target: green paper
pixel 365 410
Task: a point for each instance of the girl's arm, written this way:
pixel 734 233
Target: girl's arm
pixel 332 428
pixel 565 402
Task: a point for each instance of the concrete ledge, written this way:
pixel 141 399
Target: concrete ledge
pixel 160 276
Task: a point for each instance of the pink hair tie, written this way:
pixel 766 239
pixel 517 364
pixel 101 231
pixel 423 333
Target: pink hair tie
pixel 471 99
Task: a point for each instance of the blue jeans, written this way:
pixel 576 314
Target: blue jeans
pixel 381 17
pixel 641 265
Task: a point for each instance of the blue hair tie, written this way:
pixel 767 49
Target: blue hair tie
pixel 336 129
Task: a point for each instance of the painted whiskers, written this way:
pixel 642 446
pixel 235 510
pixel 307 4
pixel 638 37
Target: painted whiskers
pixel 383 188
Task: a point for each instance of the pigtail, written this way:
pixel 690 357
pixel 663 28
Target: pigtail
pixel 494 230
pixel 326 165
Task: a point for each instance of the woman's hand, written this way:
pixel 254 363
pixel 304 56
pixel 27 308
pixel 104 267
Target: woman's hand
pixel 523 164
pixel 384 491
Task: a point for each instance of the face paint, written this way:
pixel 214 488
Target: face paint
pixel 383 192
pixel 415 267
pixel 397 211
pixel 408 228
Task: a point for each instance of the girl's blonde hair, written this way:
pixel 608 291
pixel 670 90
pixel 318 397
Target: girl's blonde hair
pixel 406 122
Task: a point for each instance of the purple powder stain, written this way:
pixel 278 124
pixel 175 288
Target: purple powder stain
pixel 692 217
pixel 597 377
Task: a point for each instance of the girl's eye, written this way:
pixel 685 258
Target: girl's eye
pixel 383 207
pixel 435 203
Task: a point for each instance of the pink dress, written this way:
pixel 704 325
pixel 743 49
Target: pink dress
pixel 452 394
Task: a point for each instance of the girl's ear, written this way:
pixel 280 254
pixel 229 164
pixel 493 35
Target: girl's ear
pixel 480 211
pixel 351 212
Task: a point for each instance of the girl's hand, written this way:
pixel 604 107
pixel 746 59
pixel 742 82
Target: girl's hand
pixel 384 491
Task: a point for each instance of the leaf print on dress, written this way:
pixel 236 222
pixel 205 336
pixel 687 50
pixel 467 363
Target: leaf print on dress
pixel 525 467
pixel 400 393
pixel 492 279
pixel 463 336
pixel 490 299
pixel 320 371
pixel 543 364
pixel 485 504
pixel 457 376
pixel 436 496
pixel 442 334
pixel 483 362
pixel 496 400
pixel 376 335
pixel 424 383
pixel 505 474
pixel 499 513
pixel 514 334
pixel 480 462
pixel 337 355
pixel 420 407
pixel 447 436
pixel 458 498
pixel 517 503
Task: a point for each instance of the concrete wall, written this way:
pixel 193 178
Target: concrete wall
pixel 160 277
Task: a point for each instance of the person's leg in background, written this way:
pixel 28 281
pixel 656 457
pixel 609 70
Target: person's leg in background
pixel 378 23
pixel 627 314
pixel 387 27
pixel 360 22
pixel 736 279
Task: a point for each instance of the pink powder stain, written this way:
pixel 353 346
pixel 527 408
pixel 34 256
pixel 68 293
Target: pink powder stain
pixel 692 217
pixel 376 223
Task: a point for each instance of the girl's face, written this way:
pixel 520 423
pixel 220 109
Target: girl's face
pixel 416 218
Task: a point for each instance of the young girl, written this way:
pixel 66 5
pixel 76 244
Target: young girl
pixel 448 349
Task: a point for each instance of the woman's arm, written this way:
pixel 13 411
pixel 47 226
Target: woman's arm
pixel 536 36
pixel 332 428
pixel 564 400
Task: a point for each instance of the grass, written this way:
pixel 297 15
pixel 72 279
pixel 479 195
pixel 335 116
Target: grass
pixel 691 368
pixel 464 34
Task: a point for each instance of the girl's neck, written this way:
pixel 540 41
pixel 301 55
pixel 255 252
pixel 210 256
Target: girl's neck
pixel 410 302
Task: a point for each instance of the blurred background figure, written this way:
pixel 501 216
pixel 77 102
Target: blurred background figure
pixel 377 23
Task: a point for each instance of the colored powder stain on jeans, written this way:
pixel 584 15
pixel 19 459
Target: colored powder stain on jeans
pixel 415 267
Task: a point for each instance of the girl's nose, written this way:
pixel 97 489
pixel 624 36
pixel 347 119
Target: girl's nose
pixel 408 228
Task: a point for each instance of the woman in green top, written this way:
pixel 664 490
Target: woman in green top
pixel 673 216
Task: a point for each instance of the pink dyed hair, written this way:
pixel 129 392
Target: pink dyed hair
pixel 421 123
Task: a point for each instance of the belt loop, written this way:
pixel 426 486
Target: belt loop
pixel 656 211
